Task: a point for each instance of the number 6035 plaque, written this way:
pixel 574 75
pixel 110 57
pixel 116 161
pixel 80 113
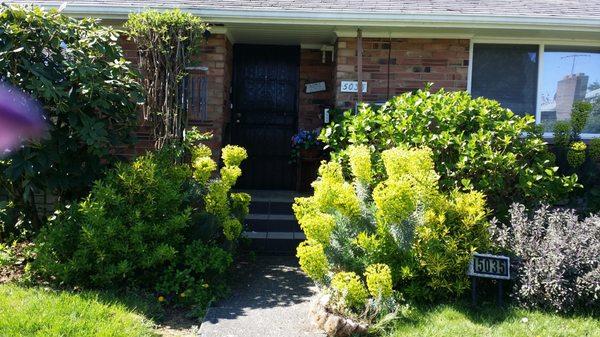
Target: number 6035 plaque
pixel 490 266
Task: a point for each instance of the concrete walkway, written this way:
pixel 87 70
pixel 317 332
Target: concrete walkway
pixel 271 299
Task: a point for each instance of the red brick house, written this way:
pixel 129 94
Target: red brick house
pixel 273 67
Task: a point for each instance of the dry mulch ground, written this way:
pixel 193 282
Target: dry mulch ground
pixel 17 256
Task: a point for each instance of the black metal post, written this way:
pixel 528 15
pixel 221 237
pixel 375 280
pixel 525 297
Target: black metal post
pixel 500 293
pixel 474 290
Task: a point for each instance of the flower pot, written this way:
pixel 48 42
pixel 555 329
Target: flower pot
pixel 307 168
pixel 310 153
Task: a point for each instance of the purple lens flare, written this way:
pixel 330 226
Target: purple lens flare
pixel 21 118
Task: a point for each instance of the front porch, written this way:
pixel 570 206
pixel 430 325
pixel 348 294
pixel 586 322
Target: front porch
pixel 256 99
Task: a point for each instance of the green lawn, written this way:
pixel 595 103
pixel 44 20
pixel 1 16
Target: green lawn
pixel 461 321
pixel 38 312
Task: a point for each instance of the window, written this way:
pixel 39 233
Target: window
pixel 508 74
pixel 196 93
pixel 569 75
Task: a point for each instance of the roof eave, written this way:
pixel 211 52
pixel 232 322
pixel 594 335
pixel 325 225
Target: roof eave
pixel 351 19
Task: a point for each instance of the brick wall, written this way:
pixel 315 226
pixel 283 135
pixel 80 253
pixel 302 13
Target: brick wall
pixel 144 132
pixel 216 54
pixel 310 106
pixel 394 66
pixel 389 67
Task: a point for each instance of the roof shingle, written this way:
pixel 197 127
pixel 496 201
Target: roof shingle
pixel 512 8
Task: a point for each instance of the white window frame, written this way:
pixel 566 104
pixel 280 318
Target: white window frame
pixel 542 47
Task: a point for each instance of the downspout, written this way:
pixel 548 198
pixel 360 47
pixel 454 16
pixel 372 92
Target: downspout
pixel 359 52
pixel 388 66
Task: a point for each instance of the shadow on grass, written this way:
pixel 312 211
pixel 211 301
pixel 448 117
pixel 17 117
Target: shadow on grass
pixel 138 301
pixel 179 317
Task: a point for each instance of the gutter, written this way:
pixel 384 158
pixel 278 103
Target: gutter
pixel 345 18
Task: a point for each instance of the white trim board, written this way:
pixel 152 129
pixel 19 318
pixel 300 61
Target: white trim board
pixel 535 41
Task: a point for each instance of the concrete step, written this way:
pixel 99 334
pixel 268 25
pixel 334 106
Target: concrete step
pixel 271 207
pixel 271 223
pixel 271 226
pixel 278 243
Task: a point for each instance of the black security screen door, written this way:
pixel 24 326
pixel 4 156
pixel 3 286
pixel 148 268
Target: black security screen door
pixel 265 93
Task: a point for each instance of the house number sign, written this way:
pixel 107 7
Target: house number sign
pixel 488 266
pixel 352 86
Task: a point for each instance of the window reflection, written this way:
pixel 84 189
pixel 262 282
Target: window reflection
pixel 570 75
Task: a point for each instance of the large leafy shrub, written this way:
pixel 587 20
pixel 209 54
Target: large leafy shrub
pixel 151 224
pixel 476 143
pixel 557 262
pixel 75 69
pixel 365 239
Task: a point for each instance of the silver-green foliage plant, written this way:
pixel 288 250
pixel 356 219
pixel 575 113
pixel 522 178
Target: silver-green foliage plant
pixel 368 240
pixel 556 257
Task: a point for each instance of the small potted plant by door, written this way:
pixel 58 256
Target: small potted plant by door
pixel 307 153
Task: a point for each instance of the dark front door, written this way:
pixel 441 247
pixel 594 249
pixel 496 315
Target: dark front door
pixel 265 93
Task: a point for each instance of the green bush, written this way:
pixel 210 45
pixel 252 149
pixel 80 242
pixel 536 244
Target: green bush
pixel 579 117
pixel 562 133
pixel 475 143
pixel 576 154
pixel 76 70
pixel 150 224
pixel 572 158
pixel 403 233
pixel 349 288
pixel 595 149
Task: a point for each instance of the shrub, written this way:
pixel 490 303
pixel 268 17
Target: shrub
pixel 594 148
pixel 475 144
pixel 576 154
pixel 556 257
pixel 88 92
pixel 572 158
pixel 151 224
pixel 402 233
pixel 579 116
pixel 313 260
pixel 379 280
pixel 350 289
pixel 562 133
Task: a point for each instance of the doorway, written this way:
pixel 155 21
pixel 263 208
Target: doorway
pixel 265 113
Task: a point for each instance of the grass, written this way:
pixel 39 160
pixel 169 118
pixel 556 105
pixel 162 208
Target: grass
pixel 38 312
pixel 460 320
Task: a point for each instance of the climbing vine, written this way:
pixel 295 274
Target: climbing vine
pixel 166 42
